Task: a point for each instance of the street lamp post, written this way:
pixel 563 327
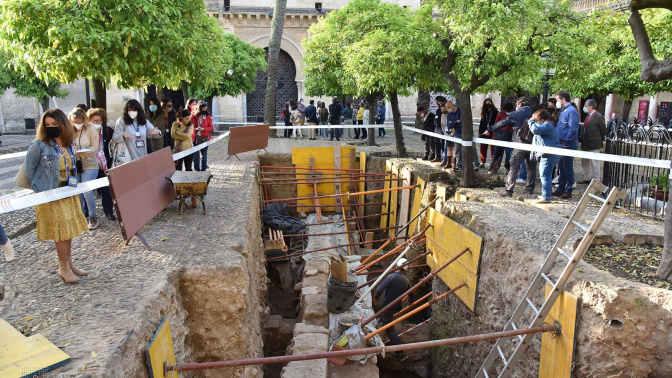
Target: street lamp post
pixel 548 73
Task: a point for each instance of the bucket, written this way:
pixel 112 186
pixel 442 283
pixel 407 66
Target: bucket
pixel 340 295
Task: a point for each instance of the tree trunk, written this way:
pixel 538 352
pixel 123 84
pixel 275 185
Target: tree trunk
pixel 371 137
pixel 468 174
pixel 398 132
pixel 159 93
pixel 424 100
pixel 277 26
pixel 626 109
pixel 44 101
pixel 185 91
pixel 100 94
pixel 665 268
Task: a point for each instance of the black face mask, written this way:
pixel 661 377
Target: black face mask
pixel 53 132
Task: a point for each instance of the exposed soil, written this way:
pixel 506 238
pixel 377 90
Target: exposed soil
pixel 633 262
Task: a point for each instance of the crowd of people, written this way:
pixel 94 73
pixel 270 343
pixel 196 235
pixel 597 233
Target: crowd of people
pixel 296 114
pixel 80 147
pixel 554 124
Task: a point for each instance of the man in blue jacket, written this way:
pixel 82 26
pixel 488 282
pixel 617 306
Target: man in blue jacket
pixel 380 118
pixel 517 119
pixel 568 131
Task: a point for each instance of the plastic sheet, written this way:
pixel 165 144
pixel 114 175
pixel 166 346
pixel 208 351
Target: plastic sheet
pixel 276 216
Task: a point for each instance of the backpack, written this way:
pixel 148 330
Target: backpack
pixel 525 134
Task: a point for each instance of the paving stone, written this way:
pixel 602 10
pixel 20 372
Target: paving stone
pixel 306 343
pixel 301 328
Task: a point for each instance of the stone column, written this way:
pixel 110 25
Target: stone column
pixel 653 107
pixel 609 106
pixel 214 109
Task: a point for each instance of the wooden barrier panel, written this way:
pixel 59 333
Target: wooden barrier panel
pixel 445 239
pixel 141 191
pixel 557 351
pixel 248 138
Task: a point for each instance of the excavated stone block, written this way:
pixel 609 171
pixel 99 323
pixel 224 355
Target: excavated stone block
pixel 301 328
pixel 314 310
pixel 306 369
pixel 306 343
pixel 317 264
pixel 318 280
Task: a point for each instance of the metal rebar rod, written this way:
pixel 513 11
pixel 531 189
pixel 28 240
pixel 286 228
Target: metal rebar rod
pixel 409 262
pixel 405 266
pixel 413 312
pixel 356 352
pixel 341 194
pixel 349 219
pixel 410 329
pixel 325 174
pixel 340 205
pixel 342 232
pixel 319 182
pixel 410 306
pixel 326 249
pixel 415 287
pixel 310 169
pixel 388 255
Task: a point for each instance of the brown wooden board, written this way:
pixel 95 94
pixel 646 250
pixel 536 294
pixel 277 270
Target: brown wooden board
pixel 141 191
pixel 386 195
pixel 417 201
pixel 247 138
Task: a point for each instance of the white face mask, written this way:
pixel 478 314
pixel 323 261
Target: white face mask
pixel 585 109
pixel 96 126
pixel 560 104
pixel 507 113
pixel 79 126
pixel 133 114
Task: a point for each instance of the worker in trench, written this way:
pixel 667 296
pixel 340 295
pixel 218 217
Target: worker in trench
pixel 391 288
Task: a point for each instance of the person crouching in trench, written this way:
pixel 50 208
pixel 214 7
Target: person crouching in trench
pixel 392 287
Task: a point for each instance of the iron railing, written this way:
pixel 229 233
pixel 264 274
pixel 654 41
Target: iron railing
pixel 644 138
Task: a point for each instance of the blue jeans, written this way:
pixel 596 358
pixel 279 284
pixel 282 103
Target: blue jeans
pixel 3 236
pixel 546 172
pixel 523 171
pixel 88 198
pixel 324 132
pixel 566 168
pixel 201 159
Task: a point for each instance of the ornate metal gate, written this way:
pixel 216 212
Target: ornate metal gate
pixel 287 89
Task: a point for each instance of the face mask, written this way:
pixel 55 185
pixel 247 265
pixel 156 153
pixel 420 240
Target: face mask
pixel 53 132
pixel 585 109
pixel 133 114
pixel 507 113
pixel 170 108
pixel 79 126
pixel 153 108
pixel 560 104
pixel 450 110
pixel 96 126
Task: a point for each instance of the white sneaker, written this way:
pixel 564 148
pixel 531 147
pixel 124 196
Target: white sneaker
pixel 575 184
pixel 556 179
pixel 521 181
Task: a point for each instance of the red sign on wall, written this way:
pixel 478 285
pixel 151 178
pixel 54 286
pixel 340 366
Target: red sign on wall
pixel 643 111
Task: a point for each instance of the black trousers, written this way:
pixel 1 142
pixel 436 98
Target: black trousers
pixel 391 332
pixel 105 195
pixel 187 160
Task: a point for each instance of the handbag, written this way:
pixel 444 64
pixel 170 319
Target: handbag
pixel 120 154
pixel 100 156
pixel 177 149
pixel 201 139
pixel 21 179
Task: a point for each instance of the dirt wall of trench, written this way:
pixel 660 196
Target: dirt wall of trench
pixel 623 327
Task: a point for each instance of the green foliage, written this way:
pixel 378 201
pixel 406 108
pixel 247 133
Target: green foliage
pixel 241 75
pixel 24 82
pixel 130 42
pixel 371 46
pixel 662 181
pixel 614 65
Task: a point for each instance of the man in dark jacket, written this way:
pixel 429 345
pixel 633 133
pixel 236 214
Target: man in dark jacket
pixel 393 286
pixel 380 118
pixel 335 118
pixel 595 129
pixel 517 119
pixel 428 125
pixel 311 117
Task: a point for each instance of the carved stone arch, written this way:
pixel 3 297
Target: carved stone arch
pixel 289 46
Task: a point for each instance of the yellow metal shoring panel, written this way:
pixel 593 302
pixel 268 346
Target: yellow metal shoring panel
pixel 445 239
pixel 557 351
pixel 386 196
pixel 27 356
pixel 394 201
pixel 415 209
pixel 160 350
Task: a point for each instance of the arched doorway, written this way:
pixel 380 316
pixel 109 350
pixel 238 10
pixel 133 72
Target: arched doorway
pixel 287 89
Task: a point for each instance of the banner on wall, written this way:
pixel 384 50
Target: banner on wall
pixel 664 112
pixel 643 111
